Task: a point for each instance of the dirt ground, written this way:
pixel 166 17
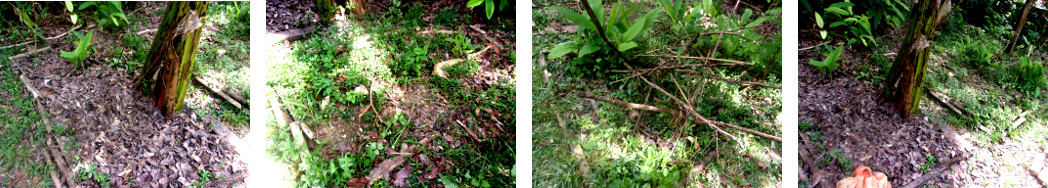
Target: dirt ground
pixel 119 129
pixel 853 119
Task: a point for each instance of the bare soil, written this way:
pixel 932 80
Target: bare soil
pixel 852 118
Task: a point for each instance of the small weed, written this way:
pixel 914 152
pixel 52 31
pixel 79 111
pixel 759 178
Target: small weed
pixel 462 69
pixel 83 48
pixel 205 177
pixel 827 65
pixel 91 173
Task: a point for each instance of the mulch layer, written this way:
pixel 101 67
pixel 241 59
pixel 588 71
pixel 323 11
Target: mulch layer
pixel 853 121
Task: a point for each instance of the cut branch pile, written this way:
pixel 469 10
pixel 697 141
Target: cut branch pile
pixel 678 103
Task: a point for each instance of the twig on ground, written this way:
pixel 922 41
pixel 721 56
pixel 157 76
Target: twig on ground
pixel 48 38
pixel 626 104
pixel 198 82
pixel 745 83
pixel 810 47
pixel 27 54
pixel 931 175
pixel 145 31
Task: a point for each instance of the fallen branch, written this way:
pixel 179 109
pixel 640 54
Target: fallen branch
pixel 145 31
pixel 243 101
pixel 1019 119
pixel 438 69
pixel 701 58
pixel 29 86
pixel 627 104
pixel 931 175
pixel 48 38
pixel 440 31
pixel 292 35
pixel 810 47
pixel 196 80
pixel 27 54
pixel 702 120
pixel 745 83
pixel 1043 178
pixel 944 103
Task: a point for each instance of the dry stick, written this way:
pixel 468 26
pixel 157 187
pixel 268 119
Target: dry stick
pixel 197 81
pixel 662 67
pixel 243 101
pixel 714 124
pixel 735 62
pixel 48 38
pixel 745 83
pixel 931 175
pixel 626 104
pixel 810 47
pixel 54 177
pixel 27 54
pixel 687 107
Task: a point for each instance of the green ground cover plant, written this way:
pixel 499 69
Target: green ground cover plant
pixel 368 73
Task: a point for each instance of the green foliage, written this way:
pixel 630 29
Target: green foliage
pixel 205 177
pixel 927 166
pixel 25 14
pixel 413 62
pixel 83 48
pixel 827 65
pixel 1028 76
pixel 109 13
pixel 21 134
pixel 841 15
pixel 892 13
pixel 91 173
pixel 489 5
pixel 462 69
pixel 462 44
pixel 617 28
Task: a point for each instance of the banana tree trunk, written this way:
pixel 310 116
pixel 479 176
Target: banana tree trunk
pixel 907 73
pixel 1019 29
pixel 172 52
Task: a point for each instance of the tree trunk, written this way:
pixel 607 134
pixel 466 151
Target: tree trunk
pixel 907 73
pixel 172 52
pixel 1019 29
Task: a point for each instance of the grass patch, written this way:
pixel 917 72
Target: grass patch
pixel 22 134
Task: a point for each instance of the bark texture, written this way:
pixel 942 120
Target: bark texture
pixel 172 52
pixel 1019 28
pixel 907 73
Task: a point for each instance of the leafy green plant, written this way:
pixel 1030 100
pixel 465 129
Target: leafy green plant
pixel 616 27
pixel 205 177
pixel 108 13
pixel 462 69
pixel 91 173
pixel 26 14
pixel 489 5
pixel 83 48
pixel 413 62
pixel 1029 75
pixel 888 12
pixel 462 44
pixel 840 14
pixel 827 65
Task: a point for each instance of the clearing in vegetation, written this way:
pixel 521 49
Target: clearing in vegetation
pixel 69 113
pixel 392 93
pixel 657 94
pixel 976 119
